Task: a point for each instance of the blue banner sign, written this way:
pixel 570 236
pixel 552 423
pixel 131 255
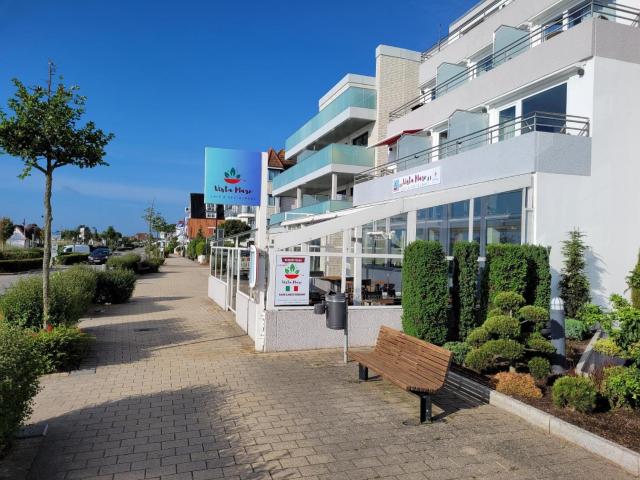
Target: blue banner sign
pixel 232 177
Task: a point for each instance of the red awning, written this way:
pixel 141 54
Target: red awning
pixel 394 138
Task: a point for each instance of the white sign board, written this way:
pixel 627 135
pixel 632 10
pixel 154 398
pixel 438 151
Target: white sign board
pixel 292 280
pixel 415 180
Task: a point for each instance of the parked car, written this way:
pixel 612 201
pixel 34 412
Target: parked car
pixel 99 256
pixel 76 249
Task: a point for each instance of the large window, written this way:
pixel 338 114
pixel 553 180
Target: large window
pixel 552 101
pixel 507 123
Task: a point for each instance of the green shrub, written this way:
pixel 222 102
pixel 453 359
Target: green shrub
pixel 502 326
pixel 608 347
pixel 504 350
pixel 72 258
pixel 590 314
pixel 200 248
pixel 633 280
pixel 465 279
pixel 574 393
pixel 20 265
pixel 537 342
pixel 114 286
pixel 425 292
pixel 21 253
pixel 539 367
pixel 538 289
pixel 151 265
pixel 507 269
pixel 478 359
pixel 71 294
pixel 459 350
pixel 575 329
pixel 494 312
pixel 478 336
pixel 63 348
pixel 74 291
pixel 508 302
pixel 538 317
pixel 574 284
pixel 125 262
pixel 621 386
pixel 20 367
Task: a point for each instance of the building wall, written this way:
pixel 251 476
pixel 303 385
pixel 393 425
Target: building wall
pixel 207 225
pixel 604 204
pixel 396 83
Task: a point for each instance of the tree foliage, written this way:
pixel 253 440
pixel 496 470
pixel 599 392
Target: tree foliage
pixel 6 230
pixel 465 279
pixel 425 292
pixel 574 284
pixel 234 227
pixel 45 130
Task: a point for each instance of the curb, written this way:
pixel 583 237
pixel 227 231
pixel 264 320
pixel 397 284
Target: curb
pixel 617 454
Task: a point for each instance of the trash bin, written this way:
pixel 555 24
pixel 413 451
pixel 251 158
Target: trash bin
pixel 336 311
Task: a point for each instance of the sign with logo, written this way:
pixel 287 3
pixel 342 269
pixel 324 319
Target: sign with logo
pixel 232 177
pixel 412 181
pixel 292 280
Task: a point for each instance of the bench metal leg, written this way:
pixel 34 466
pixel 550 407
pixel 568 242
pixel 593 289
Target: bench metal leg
pixel 363 372
pixel 425 408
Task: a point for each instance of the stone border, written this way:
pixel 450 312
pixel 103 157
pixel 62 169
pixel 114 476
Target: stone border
pixel 617 454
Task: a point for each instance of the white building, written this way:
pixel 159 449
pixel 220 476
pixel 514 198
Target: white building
pixel 517 127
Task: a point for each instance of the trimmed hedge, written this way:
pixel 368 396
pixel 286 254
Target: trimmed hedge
pixel 425 292
pixel 114 286
pixel 506 270
pixel 465 278
pixel 538 289
pixel 21 253
pixel 539 367
pixel 71 294
pixel 72 258
pixel 459 350
pixel 63 348
pixel 125 262
pixel 20 265
pixel 20 366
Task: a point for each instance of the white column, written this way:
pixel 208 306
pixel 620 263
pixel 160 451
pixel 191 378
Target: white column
pixel 471 215
pixel 412 223
pixel 298 197
pixel 334 186
pixel 357 266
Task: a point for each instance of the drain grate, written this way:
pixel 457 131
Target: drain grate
pixel 145 329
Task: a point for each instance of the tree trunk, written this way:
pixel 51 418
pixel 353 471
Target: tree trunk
pixel 46 259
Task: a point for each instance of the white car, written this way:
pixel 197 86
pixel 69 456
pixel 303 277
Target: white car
pixel 76 249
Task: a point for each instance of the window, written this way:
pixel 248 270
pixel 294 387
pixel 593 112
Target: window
pixel 579 13
pixel 274 173
pixel 361 140
pixel 552 101
pixel 553 28
pixel 507 123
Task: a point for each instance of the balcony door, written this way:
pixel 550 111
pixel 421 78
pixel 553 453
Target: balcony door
pixel 551 105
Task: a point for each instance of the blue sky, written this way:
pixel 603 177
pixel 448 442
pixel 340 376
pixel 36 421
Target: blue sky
pixel 170 77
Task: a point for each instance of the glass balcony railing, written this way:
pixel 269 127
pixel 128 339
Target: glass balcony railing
pixel 571 18
pixel 314 209
pixel 331 154
pixel 352 97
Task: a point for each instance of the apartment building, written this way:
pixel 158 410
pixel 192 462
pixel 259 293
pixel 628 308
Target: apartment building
pixel 517 127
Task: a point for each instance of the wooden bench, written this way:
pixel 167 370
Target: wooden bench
pixel 412 364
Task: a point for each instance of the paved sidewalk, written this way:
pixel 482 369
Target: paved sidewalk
pixel 179 394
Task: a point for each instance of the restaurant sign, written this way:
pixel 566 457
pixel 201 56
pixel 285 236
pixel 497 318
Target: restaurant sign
pixel 416 180
pixel 232 177
pixel 292 280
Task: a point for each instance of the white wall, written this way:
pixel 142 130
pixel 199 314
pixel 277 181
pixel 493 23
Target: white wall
pixel 217 291
pixel 301 329
pixel 605 204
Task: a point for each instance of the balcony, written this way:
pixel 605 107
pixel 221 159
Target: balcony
pixel 542 142
pixel 344 160
pixel 523 41
pixel 326 206
pixel 351 110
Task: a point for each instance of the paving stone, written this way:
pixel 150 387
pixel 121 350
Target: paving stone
pixel 179 393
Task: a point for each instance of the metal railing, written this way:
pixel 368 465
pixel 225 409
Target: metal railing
pixel 478 18
pixel 535 122
pixel 574 16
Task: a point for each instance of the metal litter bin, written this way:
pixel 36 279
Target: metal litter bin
pixel 336 311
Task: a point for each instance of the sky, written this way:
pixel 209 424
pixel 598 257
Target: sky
pixel 171 77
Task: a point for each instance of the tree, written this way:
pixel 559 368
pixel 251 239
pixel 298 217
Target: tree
pixel 234 227
pixel 574 284
pixel 111 236
pixel 6 230
pixel 45 132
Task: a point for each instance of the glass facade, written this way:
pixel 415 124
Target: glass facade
pixel 496 219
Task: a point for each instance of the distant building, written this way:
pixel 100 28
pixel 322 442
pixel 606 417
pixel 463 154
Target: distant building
pixel 26 236
pixel 141 237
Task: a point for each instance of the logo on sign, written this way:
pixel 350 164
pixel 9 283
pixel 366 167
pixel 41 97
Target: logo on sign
pixel 291 272
pixel 232 177
pixel 421 179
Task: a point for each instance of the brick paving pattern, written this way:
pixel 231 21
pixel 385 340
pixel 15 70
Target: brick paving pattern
pixel 178 393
